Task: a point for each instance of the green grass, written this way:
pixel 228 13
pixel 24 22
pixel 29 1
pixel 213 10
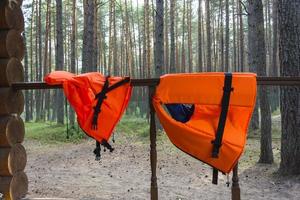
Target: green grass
pixel 47 132
pixel 129 126
pixel 51 133
pixel 134 126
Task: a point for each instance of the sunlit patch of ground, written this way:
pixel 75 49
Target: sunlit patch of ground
pixel 67 169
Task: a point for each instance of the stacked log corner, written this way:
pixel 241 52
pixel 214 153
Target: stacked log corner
pixel 13 180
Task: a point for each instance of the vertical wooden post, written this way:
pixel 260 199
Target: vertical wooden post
pixel 235 188
pixel 153 153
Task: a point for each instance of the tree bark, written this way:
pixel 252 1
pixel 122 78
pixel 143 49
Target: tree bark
pixel 172 37
pixel 59 60
pixel 159 38
pixel 88 37
pixel 289 51
pixel 227 36
pixel 200 60
pixel 241 38
pixel 190 44
pixel 208 37
pixel 257 61
pixel 166 67
pixel 183 63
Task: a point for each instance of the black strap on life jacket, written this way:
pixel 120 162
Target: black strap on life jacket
pixel 97 150
pixel 97 109
pixel 227 89
pixel 102 95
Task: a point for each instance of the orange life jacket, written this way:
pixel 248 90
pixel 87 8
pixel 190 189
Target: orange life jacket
pixel 98 101
pixel 223 105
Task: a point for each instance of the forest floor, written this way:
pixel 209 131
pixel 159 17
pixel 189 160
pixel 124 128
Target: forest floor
pixel 61 169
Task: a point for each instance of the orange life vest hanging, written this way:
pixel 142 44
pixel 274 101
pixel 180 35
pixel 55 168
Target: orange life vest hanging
pixel 223 105
pixel 98 101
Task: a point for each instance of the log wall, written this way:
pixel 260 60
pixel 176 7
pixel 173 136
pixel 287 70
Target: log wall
pixel 13 180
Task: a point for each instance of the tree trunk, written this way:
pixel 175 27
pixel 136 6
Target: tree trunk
pixel 257 61
pixel 166 37
pixel 172 36
pixel 27 97
pixel 190 44
pixel 208 37
pixel 59 60
pixel 38 56
pixel 159 38
pixel 183 38
pixel 88 37
pixel 274 71
pixel 234 65
pixel 148 43
pixel 200 60
pixel 289 51
pixel 241 39
pixel 227 36
pixel 73 55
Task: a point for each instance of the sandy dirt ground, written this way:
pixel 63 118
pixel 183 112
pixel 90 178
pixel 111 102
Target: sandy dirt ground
pixel 70 171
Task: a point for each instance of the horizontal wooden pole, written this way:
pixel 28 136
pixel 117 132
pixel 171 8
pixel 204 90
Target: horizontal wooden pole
pixel 272 81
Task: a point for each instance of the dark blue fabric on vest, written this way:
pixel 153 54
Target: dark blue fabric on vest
pixel 180 112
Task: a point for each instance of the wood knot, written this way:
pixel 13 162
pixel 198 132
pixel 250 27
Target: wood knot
pixel 13 4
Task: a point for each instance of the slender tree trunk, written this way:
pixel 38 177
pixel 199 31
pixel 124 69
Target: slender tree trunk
pixel 59 60
pixel 289 51
pixel 38 63
pixel 49 93
pixel 190 44
pixel 172 36
pixel 45 61
pixel 148 42
pixel 257 60
pixel 116 69
pixel 73 55
pixel 200 61
pixel 166 36
pixel 274 69
pixel 31 61
pixel 177 63
pixel 227 36
pixel 95 38
pixel 27 106
pixel 241 39
pixel 208 37
pixel 159 38
pixel 183 67
pixel 222 67
pixel 110 46
pixel 88 37
pixel 234 64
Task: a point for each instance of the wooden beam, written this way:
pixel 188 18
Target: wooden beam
pixel 274 81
